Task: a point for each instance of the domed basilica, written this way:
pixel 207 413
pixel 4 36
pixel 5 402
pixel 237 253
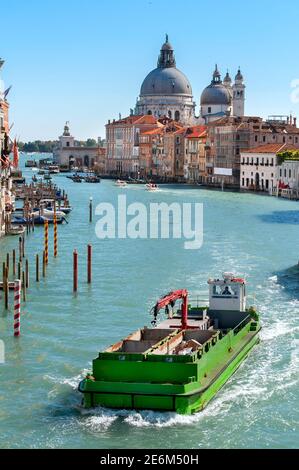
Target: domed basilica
pixel 166 91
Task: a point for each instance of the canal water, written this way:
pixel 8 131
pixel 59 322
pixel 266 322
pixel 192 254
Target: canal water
pixel 251 235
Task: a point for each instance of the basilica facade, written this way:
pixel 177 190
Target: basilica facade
pixel 166 91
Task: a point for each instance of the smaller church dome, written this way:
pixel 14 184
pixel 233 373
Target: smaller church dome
pixel 215 94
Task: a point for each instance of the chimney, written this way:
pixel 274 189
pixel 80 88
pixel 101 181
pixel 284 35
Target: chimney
pixel 113 121
pixel 288 120
pixel 291 120
pixel 295 122
pixel 109 121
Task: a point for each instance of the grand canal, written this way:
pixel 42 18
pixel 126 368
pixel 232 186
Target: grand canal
pixel 254 236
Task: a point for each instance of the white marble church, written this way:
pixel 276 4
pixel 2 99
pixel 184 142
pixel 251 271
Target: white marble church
pixel 166 91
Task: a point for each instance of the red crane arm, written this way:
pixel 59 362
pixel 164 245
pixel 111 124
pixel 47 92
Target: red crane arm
pixel 171 298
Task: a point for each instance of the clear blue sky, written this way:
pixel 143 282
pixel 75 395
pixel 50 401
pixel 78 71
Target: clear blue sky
pixel 84 61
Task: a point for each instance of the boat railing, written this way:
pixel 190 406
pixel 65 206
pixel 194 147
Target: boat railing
pixel 241 325
pixel 198 301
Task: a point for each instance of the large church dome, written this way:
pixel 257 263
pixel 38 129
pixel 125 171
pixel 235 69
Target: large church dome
pixel 166 91
pixel 166 81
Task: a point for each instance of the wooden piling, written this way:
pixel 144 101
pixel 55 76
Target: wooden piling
pixel 20 250
pixel 14 262
pixel 23 246
pixel 44 264
pixel 55 236
pixel 46 241
pixel 89 254
pixel 37 268
pixel 5 288
pixel 90 209
pixel 24 286
pixel 19 269
pixel 7 263
pixel 27 273
pixel 75 271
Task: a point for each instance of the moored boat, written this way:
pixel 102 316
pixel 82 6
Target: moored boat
pixel 120 183
pixel 151 187
pixel 180 363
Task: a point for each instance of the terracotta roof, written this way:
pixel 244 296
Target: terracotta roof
pixel 157 130
pixel 271 148
pixel 196 131
pixel 144 119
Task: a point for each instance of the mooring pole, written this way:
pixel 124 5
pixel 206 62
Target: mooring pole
pixel 20 248
pixel 90 209
pixel 14 262
pixel 24 286
pixel 44 264
pixel 75 271
pixel 46 241
pixel 55 233
pixel 37 268
pixel 27 273
pixel 17 308
pixel 89 254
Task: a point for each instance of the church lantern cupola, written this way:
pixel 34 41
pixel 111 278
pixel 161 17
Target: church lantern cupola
pixel 166 57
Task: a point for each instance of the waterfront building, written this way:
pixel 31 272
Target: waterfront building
pixel 288 177
pixel 260 169
pixel 230 136
pixel 123 143
pixel 6 197
pixel 69 153
pixel 195 161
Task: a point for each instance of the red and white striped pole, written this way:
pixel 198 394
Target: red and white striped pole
pixel 17 308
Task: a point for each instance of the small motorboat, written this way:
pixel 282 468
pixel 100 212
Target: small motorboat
pixel 49 213
pixel 16 230
pixel 34 178
pixel 151 187
pixel 120 183
pixel 41 172
pixel 92 179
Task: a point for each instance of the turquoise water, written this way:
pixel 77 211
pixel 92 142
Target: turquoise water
pixel 254 236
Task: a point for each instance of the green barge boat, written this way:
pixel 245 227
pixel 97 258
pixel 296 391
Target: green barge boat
pixel 180 363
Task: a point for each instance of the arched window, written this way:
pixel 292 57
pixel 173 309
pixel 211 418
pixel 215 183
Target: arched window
pixel 177 116
pixel 169 114
pixel 149 112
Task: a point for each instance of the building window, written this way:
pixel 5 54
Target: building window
pixel 255 138
pixel 280 172
pixel 169 114
pixel 247 182
pixel 238 137
pixel 242 181
pixel 283 139
pixel 149 112
pixel 177 115
pixel 264 138
pixel 209 109
pixel 285 173
pixel 67 144
pixel 290 173
pixel 177 140
pixel 296 140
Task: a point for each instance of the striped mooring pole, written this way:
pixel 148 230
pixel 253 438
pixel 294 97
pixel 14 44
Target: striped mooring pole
pixel 17 308
pixel 46 241
pixel 55 237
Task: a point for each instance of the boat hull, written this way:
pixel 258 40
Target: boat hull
pixel 207 376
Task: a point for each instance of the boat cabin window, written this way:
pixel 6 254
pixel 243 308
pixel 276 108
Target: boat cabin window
pixel 224 291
